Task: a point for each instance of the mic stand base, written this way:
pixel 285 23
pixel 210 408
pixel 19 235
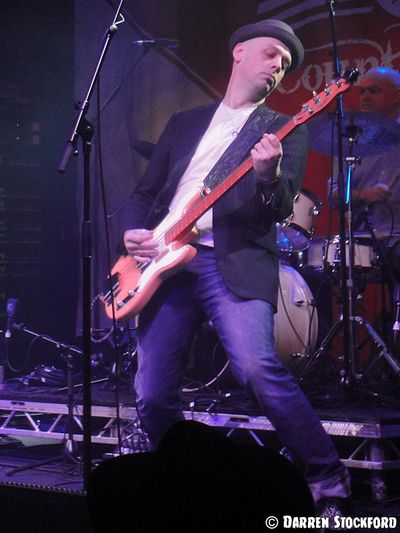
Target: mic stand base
pixel 69 446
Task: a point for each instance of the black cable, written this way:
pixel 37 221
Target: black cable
pixel 391 215
pixel 109 265
pixel 27 356
pixel 118 87
pixel 107 217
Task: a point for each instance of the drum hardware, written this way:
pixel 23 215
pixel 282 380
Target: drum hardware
pixel 394 283
pixel 376 338
pixel 350 255
pixel 374 135
pixel 297 260
pixel 324 254
pixel 363 257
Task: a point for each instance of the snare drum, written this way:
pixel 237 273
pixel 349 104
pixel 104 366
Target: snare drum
pixel 364 255
pixel 294 233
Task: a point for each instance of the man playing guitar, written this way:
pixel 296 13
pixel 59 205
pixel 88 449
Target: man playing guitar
pixel 233 277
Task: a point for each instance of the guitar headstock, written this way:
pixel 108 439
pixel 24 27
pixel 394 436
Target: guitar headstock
pixel 321 100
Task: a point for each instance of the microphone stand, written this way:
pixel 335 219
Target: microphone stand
pixel 348 321
pixel 349 373
pixel 83 129
pixel 346 274
pixel 69 447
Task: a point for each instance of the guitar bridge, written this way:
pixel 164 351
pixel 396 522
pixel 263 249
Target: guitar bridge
pixel 120 303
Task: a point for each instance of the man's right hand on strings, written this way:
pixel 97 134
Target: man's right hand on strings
pixel 140 245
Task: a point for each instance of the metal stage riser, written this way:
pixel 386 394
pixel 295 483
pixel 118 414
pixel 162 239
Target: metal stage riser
pixel 372 445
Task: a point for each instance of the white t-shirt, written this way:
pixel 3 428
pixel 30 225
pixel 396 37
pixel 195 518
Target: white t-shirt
pixel 223 129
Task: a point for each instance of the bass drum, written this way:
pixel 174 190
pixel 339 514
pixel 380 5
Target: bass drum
pixel 296 331
pixel 296 322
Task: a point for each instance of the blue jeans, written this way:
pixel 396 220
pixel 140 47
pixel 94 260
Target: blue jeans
pixel 246 330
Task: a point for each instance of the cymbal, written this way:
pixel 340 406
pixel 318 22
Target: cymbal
pixel 375 133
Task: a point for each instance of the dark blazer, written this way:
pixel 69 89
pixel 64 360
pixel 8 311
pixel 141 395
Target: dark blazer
pixel 243 226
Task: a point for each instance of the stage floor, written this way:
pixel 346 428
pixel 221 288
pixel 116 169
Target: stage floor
pixel 33 425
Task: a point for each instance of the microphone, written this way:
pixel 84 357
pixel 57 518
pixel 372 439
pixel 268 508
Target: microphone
pixel 158 43
pixel 11 309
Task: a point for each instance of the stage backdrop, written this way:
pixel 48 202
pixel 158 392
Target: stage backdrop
pixel 140 88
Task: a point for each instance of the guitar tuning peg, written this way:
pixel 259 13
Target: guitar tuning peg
pixel 307 108
pixel 315 97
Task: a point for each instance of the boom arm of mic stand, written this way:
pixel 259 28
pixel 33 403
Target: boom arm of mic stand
pixel 70 147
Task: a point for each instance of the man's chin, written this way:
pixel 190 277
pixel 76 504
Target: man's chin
pixel 269 87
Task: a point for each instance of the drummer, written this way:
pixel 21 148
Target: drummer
pixel 376 182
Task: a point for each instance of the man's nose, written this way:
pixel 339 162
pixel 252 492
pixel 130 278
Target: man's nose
pixel 277 67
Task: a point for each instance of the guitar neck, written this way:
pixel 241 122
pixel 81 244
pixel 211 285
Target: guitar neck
pixel 309 109
pixel 192 215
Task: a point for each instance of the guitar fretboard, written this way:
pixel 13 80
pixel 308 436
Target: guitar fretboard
pixel 311 108
pixel 192 215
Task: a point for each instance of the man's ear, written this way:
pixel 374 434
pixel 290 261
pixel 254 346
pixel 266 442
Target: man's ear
pixel 237 52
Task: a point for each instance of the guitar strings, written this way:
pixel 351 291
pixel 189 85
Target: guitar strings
pixel 161 238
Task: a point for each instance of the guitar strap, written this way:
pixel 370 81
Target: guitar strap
pixel 255 126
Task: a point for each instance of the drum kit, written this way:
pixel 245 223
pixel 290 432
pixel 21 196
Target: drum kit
pixel 296 321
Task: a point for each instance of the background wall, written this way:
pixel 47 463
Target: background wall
pixel 48 50
pixel 166 81
pixel 38 217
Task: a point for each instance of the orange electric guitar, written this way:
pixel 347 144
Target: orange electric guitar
pixel 133 283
